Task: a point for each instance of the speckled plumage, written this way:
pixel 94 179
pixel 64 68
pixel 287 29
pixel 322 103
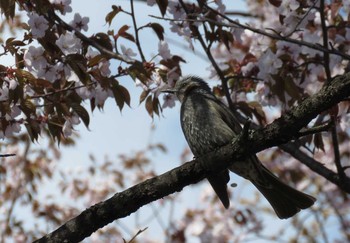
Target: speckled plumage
pixel 208 124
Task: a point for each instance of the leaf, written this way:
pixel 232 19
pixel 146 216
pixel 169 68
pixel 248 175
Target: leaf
pixel 149 105
pixel 162 4
pixel 95 60
pixel 33 128
pixel 144 95
pixel 27 107
pixel 125 94
pixel 121 95
pixel 7 7
pixel 276 3
pixel 138 71
pixel 62 109
pixel 257 111
pixel 122 33
pixel 103 40
pixel 55 125
pixel 78 63
pixel 158 29
pixel 24 76
pixel 318 141
pixel 156 105
pixel 110 16
pixel 82 113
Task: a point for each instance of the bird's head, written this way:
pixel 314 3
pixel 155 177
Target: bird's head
pixel 186 85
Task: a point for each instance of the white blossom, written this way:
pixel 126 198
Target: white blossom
pixel 169 101
pixel 80 23
pixel 38 25
pixel 127 53
pixel 34 58
pixel 69 43
pixel 268 64
pixel 68 125
pixel 64 4
pixel 164 50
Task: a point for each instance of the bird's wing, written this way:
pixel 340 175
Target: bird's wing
pixel 226 114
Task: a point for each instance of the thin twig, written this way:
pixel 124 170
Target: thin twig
pixel 53 16
pixel 6 155
pixel 325 41
pixel 335 141
pixel 212 60
pixel 317 129
pixel 138 232
pixel 69 88
pixel 264 33
pixel 137 40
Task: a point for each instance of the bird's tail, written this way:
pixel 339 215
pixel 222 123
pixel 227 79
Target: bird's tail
pixel 219 184
pixel 285 200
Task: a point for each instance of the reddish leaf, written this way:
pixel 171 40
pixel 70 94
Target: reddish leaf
pixel 82 113
pixel 78 63
pixel 33 129
pixel 318 141
pixel 162 4
pixel 149 105
pixel 156 106
pixel 121 95
pixel 7 7
pixel 103 40
pixel 158 29
pixel 144 95
pixel 276 3
pixel 110 16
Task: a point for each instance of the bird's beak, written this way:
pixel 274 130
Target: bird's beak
pixel 169 90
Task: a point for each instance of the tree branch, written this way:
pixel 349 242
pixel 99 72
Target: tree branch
pixel 280 131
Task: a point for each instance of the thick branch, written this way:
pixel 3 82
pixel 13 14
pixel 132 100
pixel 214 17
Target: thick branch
pixel 279 132
pixel 342 183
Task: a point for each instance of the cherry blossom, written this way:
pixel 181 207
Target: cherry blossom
pixel 268 64
pixel 69 43
pixel 169 101
pixel 34 58
pixel 80 23
pixel 163 50
pixel 68 125
pixel 64 5
pixel 127 53
pixel 38 25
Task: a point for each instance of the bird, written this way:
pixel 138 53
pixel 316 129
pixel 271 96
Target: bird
pixel 207 124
